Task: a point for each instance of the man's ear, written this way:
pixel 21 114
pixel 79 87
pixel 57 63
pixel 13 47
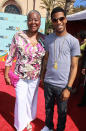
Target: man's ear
pixel 65 20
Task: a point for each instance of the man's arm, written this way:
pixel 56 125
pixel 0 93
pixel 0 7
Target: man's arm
pixel 44 65
pixel 73 72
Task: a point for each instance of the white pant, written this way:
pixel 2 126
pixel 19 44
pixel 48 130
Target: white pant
pixel 26 102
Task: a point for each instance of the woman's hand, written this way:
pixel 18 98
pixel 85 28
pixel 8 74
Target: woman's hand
pixel 7 80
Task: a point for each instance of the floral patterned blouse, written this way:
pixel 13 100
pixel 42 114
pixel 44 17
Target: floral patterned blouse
pixel 28 57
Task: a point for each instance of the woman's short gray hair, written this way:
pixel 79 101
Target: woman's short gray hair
pixel 33 11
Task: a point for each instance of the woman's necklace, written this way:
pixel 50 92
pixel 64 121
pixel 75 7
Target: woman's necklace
pixel 33 39
pixel 55 52
pixel 34 42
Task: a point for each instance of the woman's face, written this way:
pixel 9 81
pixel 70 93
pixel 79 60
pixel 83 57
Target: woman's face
pixel 34 22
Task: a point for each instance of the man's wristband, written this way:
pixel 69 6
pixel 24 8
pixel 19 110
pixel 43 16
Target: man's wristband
pixel 69 88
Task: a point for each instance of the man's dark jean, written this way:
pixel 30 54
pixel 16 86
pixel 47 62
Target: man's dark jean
pixel 52 94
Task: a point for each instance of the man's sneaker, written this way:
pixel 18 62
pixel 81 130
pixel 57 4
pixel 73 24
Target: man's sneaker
pixel 45 128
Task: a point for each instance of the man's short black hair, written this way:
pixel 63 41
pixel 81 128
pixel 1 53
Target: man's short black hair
pixel 58 9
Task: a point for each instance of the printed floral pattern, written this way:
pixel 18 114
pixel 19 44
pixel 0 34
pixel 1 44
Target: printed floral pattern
pixel 28 57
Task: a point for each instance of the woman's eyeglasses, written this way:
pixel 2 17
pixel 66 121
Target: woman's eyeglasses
pixel 54 20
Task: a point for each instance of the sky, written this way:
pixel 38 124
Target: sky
pixel 79 3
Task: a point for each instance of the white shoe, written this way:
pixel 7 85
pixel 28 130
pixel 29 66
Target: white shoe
pixel 29 127
pixel 45 128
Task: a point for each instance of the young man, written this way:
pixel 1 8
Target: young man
pixel 62 51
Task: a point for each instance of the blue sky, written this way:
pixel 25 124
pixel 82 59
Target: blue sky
pixel 79 3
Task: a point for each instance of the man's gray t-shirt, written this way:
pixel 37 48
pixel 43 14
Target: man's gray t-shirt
pixel 66 47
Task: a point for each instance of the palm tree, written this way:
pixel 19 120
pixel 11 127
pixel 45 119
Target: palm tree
pixel 67 5
pixel 48 5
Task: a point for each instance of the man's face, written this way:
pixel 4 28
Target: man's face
pixel 33 22
pixel 59 22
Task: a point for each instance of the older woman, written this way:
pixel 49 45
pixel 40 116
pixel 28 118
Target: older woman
pixel 28 48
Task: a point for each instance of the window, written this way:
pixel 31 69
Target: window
pixel 12 9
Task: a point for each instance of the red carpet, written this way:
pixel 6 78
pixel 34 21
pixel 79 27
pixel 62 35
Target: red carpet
pixel 76 118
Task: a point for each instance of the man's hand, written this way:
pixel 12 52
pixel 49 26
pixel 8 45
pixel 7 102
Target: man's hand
pixel 83 71
pixel 65 94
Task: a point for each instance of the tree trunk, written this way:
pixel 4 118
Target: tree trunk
pixel 67 5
